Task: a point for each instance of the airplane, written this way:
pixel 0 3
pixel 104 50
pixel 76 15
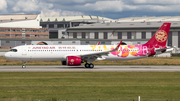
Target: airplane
pixel 75 55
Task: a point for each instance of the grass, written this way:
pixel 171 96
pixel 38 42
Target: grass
pixel 89 86
pixel 144 61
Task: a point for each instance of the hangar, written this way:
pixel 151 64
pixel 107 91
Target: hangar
pixel 130 30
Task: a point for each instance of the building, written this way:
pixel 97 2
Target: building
pixel 22 26
pixel 57 25
pixel 24 33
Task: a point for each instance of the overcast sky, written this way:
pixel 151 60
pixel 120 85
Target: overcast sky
pixel 114 9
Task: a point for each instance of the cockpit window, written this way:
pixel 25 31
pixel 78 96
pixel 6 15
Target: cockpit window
pixel 13 50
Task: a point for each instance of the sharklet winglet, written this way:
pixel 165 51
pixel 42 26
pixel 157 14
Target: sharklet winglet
pixel 98 43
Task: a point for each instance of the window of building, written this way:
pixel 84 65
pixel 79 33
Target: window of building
pixel 1 35
pixel 41 35
pixel 7 35
pixel 7 30
pixel 178 39
pixel 60 25
pixel 67 25
pixel 32 30
pixel 27 35
pixel 7 41
pixel 170 39
pixel 143 35
pixel 17 30
pixel 73 41
pixel 12 30
pixel 103 42
pixel 36 35
pixel 32 35
pixel 12 35
pixel 129 35
pixel 37 31
pixel 83 35
pixel 18 35
pixel 87 42
pixel 51 25
pixel 74 35
pixel 119 35
pixel 1 30
pixel 46 31
pixel 23 42
pixel 46 36
pixel 105 35
pixel 44 26
pixel 27 30
pixel 96 35
pixel 41 31
pixel 152 33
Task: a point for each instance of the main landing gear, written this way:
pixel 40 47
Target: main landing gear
pixel 87 65
pixel 24 65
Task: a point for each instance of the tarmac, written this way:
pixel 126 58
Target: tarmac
pixel 95 69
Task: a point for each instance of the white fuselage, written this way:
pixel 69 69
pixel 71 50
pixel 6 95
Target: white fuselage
pixel 60 52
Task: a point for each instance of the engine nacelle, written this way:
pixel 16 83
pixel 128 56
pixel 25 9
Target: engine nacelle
pixel 73 61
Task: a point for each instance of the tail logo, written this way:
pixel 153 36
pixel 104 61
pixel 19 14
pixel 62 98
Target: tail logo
pixel 161 36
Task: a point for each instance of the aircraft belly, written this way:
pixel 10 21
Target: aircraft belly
pixel 111 58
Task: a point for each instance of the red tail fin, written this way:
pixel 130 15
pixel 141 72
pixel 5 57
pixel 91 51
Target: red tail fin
pixel 160 37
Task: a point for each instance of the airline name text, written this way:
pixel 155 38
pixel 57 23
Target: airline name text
pixel 43 48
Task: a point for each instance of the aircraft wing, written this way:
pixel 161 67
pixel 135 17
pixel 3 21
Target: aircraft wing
pixel 94 56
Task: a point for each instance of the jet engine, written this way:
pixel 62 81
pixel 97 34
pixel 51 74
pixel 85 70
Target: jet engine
pixel 72 61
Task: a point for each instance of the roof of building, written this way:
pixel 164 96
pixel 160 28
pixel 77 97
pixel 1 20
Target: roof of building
pixel 147 19
pixel 74 18
pixel 120 25
pixel 17 17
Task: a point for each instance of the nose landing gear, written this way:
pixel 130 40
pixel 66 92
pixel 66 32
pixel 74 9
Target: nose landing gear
pixel 24 65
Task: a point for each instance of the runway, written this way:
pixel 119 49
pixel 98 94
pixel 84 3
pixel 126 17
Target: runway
pixel 95 69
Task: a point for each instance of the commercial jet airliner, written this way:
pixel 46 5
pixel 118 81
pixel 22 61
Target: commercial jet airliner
pixel 74 55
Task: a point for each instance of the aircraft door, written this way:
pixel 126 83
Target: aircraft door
pixel 24 50
pixel 145 50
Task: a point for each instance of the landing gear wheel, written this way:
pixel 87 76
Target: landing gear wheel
pixel 91 65
pixel 24 65
pixel 86 65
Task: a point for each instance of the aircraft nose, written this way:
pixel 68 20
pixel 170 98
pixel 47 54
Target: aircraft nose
pixel 6 55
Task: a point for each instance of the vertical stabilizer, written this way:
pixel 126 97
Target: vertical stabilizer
pixel 160 37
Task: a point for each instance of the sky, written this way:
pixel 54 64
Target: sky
pixel 113 9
